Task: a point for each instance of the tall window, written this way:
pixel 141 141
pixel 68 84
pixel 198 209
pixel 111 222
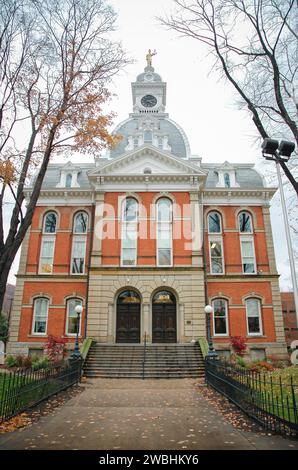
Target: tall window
pixel 48 243
pixel 79 243
pixel 247 243
pixel 227 180
pixel 215 243
pixel 68 180
pixel 40 316
pixel 72 316
pixel 164 232
pixel 129 232
pixel 220 317
pixel 253 316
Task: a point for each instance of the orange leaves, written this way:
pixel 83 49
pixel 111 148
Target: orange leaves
pixel 7 171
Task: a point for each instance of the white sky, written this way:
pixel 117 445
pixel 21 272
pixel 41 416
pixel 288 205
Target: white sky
pixel 196 100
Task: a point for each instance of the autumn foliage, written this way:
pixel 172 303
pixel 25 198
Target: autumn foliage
pixel 55 348
pixel 239 345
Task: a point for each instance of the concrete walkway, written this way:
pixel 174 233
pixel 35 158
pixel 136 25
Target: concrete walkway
pixel 136 414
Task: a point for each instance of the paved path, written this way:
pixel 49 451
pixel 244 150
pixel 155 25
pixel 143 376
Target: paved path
pixel 136 414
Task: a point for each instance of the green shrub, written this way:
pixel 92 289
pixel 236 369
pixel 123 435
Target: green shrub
pixel 241 362
pixel 10 361
pixel 41 363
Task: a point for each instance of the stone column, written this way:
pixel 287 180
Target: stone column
pixel 196 227
pixel 98 229
pixel 146 322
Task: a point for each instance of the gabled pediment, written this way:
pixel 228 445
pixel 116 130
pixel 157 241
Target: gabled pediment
pixel 147 160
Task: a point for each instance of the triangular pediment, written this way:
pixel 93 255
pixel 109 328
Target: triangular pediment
pixel 147 160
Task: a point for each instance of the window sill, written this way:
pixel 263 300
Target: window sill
pixel 38 335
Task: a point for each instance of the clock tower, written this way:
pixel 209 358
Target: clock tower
pixel 149 94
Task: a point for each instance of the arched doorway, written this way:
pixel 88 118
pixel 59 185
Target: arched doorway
pixel 164 321
pixel 128 317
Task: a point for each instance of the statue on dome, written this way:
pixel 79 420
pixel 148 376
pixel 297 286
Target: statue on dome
pixel 149 57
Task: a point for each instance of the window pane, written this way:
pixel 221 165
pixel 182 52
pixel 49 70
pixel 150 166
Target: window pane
pixel 252 307
pixel 46 256
pixel 227 180
pixel 148 136
pixel 164 210
pixel 130 209
pixel 245 224
pixel 253 325
pixel 214 222
pixel 216 249
pixel 79 249
pixel 249 267
pixel 68 181
pixel 247 249
pixel 216 266
pixel 72 316
pixel 50 223
pixel 220 317
pixel 128 256
pixel 78 266
pixel 80 223
pixel 40 315
pixel 164 257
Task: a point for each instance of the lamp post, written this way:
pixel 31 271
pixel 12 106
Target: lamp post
pixel 275 151
pixel 211 351
pixel 76 352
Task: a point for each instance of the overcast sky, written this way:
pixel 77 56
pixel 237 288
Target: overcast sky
pixel 198 101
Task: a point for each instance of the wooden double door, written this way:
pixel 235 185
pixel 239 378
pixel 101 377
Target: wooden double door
pixel 164 318
pixel 128 323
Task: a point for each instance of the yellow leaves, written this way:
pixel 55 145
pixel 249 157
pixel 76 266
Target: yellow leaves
pixel 7 171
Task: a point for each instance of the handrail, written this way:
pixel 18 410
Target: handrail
pixel 144 354
pixel 87 343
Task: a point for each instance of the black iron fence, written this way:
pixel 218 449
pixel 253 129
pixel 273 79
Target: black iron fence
pixel 265 398
pixel 20 390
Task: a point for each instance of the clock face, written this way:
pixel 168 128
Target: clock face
pixel 148 101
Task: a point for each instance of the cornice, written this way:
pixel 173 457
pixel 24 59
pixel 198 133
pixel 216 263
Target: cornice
pixel 263 193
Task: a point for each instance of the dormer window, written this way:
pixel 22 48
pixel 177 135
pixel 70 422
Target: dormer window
pixel 227 180
pixel 68 180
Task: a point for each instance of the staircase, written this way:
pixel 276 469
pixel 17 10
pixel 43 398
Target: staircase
pixel 161 361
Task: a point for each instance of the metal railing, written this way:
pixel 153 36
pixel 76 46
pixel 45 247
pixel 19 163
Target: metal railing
pixel 20 390
pixel 266 399
pixel 144 355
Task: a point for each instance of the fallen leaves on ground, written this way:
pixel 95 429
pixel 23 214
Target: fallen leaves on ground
pixel 43 409
pixel 229 411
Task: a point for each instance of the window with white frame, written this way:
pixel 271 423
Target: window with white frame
pixel 215 243
pixel 68 180
pixel 72 316
pixel 253 316
pixel 248 255
pixel 216 256
pixel 227 180
pixel 40 316
pixel 129 232
pixel 48 243
pixel 214 222
pixel 245 222
pixel 220 317
pixel 79 243
pixel 164 232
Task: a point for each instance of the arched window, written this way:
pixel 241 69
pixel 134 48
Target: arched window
pixel 164 232
pixel 220 317
pixel 79 243
pixel 80 222
pixel 227 180
pixel 247 243
pixel 214 222
pixel 245 222
pixel 48 243
pixel 128 297
pixel 72 317
pixel 50 223
pixel 40 316
pixel 68 180
pixel 216 255
pixel 253 317
pixel 129 232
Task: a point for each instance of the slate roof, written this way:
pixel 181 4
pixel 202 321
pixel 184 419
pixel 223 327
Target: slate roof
pixel 175 137
pixel 246 176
